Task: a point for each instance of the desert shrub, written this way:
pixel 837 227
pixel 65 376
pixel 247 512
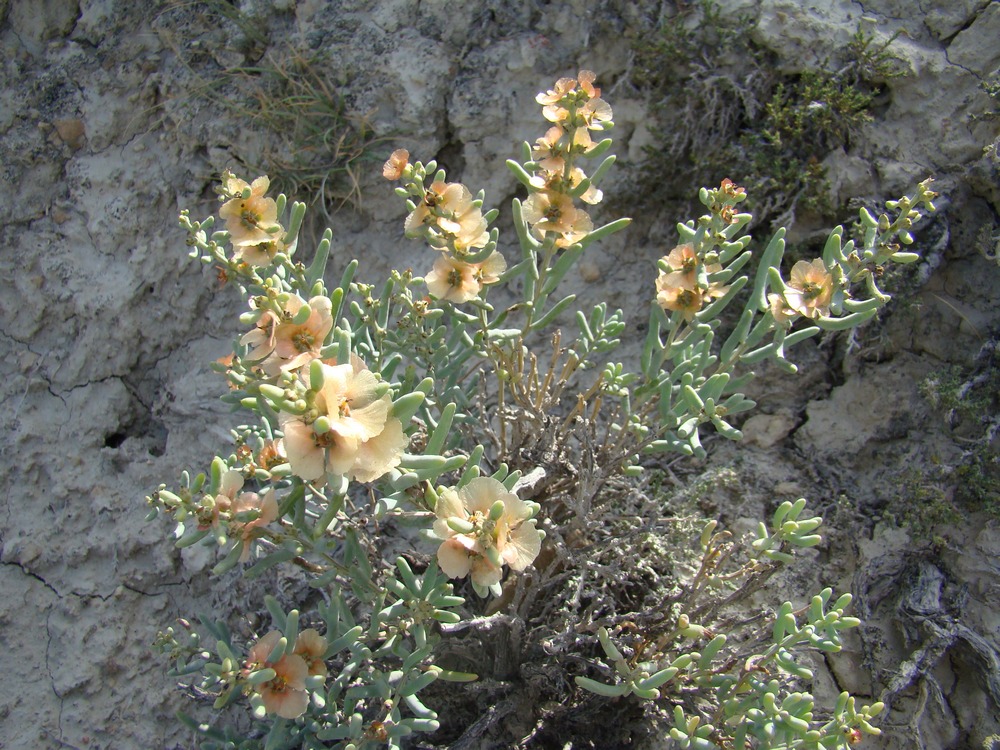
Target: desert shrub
pixel 463 485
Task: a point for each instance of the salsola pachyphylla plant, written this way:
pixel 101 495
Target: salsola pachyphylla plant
pixel 519 450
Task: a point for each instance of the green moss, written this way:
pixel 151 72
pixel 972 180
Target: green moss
pixel 979 480
pixel 969 399
pixel 922 503
pixel 721 111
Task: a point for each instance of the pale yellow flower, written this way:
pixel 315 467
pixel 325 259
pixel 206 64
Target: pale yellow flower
pixel 311 646
pixel 285 694
pixel 361 440
pixel 263 253
pixel 278 344
pixel 810 289
pixel 252 220
pixel 549 211
pixel 508 537
pixel 454 280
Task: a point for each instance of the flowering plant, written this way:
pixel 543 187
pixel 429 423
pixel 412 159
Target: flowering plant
pixel 423 403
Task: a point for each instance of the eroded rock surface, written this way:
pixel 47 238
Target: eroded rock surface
pixel 107 328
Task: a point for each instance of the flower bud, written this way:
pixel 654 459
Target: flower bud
pixel 460 525
pixel 321 425
pixel 492 554
pixel 302 315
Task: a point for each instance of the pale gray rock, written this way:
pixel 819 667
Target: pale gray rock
pixel 107 328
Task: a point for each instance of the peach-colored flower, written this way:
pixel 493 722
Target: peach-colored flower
pixel 552 100
pixel 355 417
pixel 447 213
pixel 285 694
pixel 687 300
pixel 586 79
pixel 208 514
pixel 465 234
pixel 456 281
pixel 678 290
pixel 556 180
pixel 270 455
pixel 508 537
pixel 250 504
pixel 569 92
pixel 783 315
pixel 263 253
pixel 810 289
pixel 548 152
pixel 278 344
pixel 377 455
pixel 594 114
pixel 397 162
pixel 582 142
pixel 591 195
pixel 549 211
pixel 311 646
pixel 731 189
pixel 252 220
pixel 684 262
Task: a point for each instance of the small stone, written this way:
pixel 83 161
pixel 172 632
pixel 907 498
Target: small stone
pixel 71 132
pixel 766 430
pixel 589 271
pixel 791 489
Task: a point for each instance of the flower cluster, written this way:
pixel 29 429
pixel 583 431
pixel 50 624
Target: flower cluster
pixel 244 512
pixel 484 526
pixel 285 694
pixel 575 108
pixel 346 428
pixel 340 422
pixel 252 221
pixel 450 219
pixel 808 293
pixel 682 284
pixel 685 284
pixel 289 335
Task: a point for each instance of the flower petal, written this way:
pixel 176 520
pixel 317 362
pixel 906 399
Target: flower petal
pixel 522 546
pixel 381 453
pixel 454 559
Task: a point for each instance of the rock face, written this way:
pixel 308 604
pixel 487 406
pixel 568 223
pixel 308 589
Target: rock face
pixel 107 328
